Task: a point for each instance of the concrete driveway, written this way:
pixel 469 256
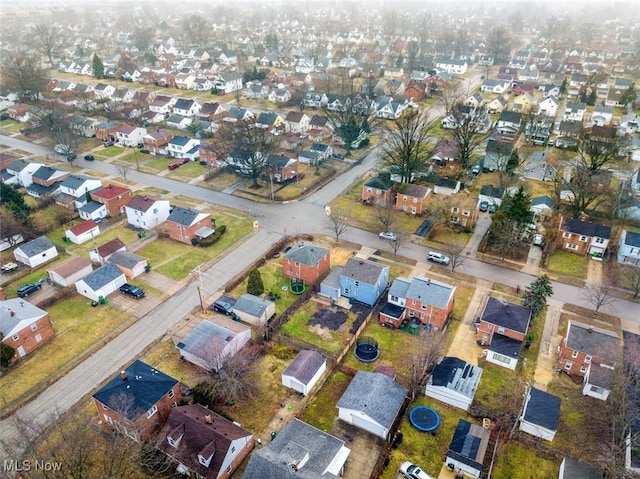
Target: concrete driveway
pixel 482 226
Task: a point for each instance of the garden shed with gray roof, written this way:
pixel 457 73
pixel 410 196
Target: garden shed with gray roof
pixel 253 309
pixel 304 371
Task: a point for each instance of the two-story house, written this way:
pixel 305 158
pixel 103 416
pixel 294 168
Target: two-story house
pixel 46 182
pixel 155 142
pixel 183 147
pixel 584 237
pixel 281 169
pixel 629 248
pixel 114 197
pixel 502 328
pixel 379 190
pixel 106 131
pixel 297 122
pixel 75 190
pixel 211 111
pixel 418 300
pixel 22 172
pixel 574 111
pixel 363 281
pixel 146 212
pixel 162 104
pixel 463 210
pixel 186 224
pixel 130 135
pixel 306 262
pixel 509 123
pixel 138 400
pixel 413 199
pixel 186 107
pixel 24 327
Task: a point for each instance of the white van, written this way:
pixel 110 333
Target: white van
pixel 438 258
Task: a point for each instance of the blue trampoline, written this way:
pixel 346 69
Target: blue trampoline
pixel 424 418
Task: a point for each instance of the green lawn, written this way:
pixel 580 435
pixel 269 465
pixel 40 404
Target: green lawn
pixel 520 462
pixel 110 151
pixel 564 263
pixel 191 170
pixel 159 163
pixel 28 275
pixel 321 411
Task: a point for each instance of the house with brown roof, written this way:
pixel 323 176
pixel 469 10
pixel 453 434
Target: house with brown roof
pixel 214 154
pixel 102 254
pixel 147 212
pixel 138 400
pixel 187 224
pixel 463 210
pixel 155 142
pixel 114 197
pixel 297 122
pixel 204 444
pixel 304 371
pixel 67 272
pixel 306 262
pixel 416 91
pixel 24 327
pixel 412 198
pixel 130 135
pixel 211 111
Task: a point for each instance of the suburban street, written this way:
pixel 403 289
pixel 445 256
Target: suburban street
pixel 306 215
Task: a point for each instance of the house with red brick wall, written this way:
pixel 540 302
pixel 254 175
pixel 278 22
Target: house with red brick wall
pixel 203 443
pixel 114 197
pixel 583 345
pixel 379 190
pixel 418 300
pixel 24 326
pixel 413 199
pixel 107 131
pixel 214 154
pixel 463 210
pixel 584 237
pixel 138 401
pixel 155 142
pixel 281 169
pixel 185 224
pixel 416 91
pixel 307 262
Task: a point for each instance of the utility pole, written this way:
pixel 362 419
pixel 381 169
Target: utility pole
pixel 198 270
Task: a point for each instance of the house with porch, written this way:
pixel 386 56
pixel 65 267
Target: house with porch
pixel 584 237
pixel 188 224
pixel 183 147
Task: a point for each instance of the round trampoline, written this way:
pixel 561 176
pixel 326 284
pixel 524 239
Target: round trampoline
pixel 298 286
pixel 424 418
pixel 367 349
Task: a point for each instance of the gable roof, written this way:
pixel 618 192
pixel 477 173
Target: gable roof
pixel 586 228
pixel 429 291
pixel 380 182
pixel 305 365
pixel 199 431
pixel 594 341
pixel 630 238
pixel 185 216
pixel 510 117
pixel 457 375
pixel 253 305
pixel 142 203
pixel 323 452
pixel 374 394
pixel 36 246
pixel 110 247
pixel 126 259
pixel 110 191
pixel 308 254
pixel 542 409
pixel 135 392
pixel 102 276
pixel 16 314
pixel 83 227
pixel 208 340
pixel 362 270
pixel 507 315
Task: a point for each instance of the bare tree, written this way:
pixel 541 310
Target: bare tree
pixel 47 39
pixel 24 74
pixel 197 30
pixel 499 42
pixel 598 296
pixel 339 221
pixel 422 358
pixel 386 215
pixel 469 130
pixel 123 170
pixel 454 249
pixel 631 274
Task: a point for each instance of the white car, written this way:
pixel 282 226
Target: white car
pixel 388 235
pixel 411 471
pixel 438 257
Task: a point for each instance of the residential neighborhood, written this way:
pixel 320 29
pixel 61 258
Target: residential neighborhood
pixel 254 241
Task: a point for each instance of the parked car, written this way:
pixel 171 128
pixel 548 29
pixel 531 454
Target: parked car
pixel 28 288
pixel 337 156
pixel 476 169
pixel 184 161
pixel 493 208
pixel 538 240
pixel 8 267
pixel 223 307
pixel 438 257
pixel 174 166
pixel 132 290
pixel 71 157
pixel 411 471
pixel 388 235
pixel 484 206
pixel 63 149
pixel 108 143
pixel 89 157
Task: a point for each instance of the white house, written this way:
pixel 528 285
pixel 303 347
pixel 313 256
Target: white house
pixel 104 91
pixel 541 414
pixel 209 344
pixel 101 282
pixel 452 66
pixel 76 187
pixel 494 86
pixel 130 135
pixel 253 309
pixel 304 371
pixel 35 252
pixel 186 107
pixel 454 382
pixel 548 107
pixel 228 83
pixel 83 232
pixel 93 211
pixel 67 272
pixel 147 212
pixel 183 147
pixel 629 248
pixel 574 111
pixel 23 171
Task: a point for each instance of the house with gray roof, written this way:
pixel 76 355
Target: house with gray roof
pixel 572 469
pixel 584 237
pixel 363 281
pixel 210 343
pixel 304 371
pixel 468 448
pixel 497 154
pixel 23 326
pixel 299 451
pixel 131 264
pixel 418 300
pixel 35 252
pixel 372 402
pixel 22 172
pixel 186 224
pixel 454 382
pixel 74 190
pixel 540 414
pixel 536 167
pixel 542 206
pixel 330 286
pixel 306 262
pixel 253 309
pixel 101 282
pixel 629 248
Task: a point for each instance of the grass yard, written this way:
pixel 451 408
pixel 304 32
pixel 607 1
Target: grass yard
pixel 166 358
pixel 117 231
pixel 221 180
pixel 110 151
pixel 422 448
pixel 498 385
pixel 564 263
pixel 516 461
pixel 321 411
pixel 78 327
pixel 159 163
pixel 31 275
pixel 189 171
pixel 152 191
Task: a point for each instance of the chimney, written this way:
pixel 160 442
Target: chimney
pixel 208 419
pixel 146 198
pixel 590 329
pixel 123 375
pixel 12 313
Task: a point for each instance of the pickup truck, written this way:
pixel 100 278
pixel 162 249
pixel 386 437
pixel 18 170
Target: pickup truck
pixel 8 267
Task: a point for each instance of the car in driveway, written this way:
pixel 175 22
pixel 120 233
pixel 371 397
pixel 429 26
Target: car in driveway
pixel 411 471
pixel 223 307
pixel 9 267
pixel 388 235
pixel 438 257
pixel 484 206
pixel 89 157
pixel 476 169
pixel 174 166
pixel 108 143
pixel 132 290
pixel 493 208
pixel 28 288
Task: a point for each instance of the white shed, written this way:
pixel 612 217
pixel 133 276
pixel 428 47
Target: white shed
pixel 454 381
pixel 304 371
pixel 253 309
pixel 102 282
pixel 36 252
pixel 83 232
pixel 541 414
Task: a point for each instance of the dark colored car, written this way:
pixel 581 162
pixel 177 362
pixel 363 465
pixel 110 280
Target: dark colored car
pixel 26 289
pixel 223 307
pixel 89 157
pixel 184 161
pixel 484 206
pixel 131 290
pixel 174 166
pixel 493 208
pixel 71 157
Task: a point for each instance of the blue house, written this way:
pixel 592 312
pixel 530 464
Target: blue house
pixel 363 280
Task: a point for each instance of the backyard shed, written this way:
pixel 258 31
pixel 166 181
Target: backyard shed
pixel 304 371
pixel 253 309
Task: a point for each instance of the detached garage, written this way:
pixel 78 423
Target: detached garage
pixel 253 309
pixel 67 272
pixel 305 371
pixel 83 232
pixel 102 282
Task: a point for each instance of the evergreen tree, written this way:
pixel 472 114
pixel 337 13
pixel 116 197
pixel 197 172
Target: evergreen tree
pixel 518 207
pixel 6 353
pixel 536 294
pixel 255 285
pixel 629 95
pixel 98 67
pixel 564 86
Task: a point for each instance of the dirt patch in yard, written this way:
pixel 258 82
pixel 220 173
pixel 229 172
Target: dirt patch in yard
pixel 330 318
pixel 324 333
